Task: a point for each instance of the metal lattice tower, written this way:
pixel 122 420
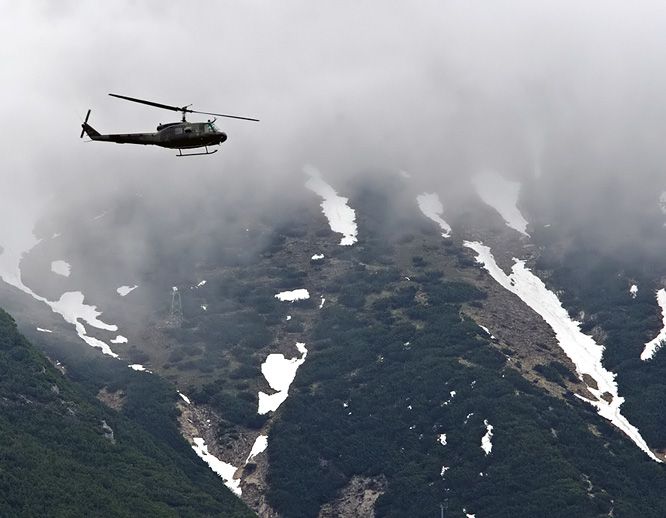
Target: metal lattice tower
pixel 176 316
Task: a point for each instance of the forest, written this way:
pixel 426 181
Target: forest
pixel 58 458
pixel 395 364
pixel 595 284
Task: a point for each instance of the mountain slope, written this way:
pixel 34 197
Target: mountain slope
pixel 65 454
pixel 394 364
pixel 400 373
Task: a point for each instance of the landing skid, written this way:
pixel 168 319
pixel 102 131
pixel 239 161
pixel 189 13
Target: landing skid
pixel 180 152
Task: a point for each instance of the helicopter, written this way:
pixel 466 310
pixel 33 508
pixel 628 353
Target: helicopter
pixel 173 135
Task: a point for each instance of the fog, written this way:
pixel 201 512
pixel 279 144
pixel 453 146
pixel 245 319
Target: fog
pixel 566 96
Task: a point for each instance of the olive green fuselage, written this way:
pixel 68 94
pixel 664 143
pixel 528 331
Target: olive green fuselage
pixel 174 135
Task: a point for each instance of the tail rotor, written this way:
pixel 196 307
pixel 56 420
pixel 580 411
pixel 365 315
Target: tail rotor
pixel 85 122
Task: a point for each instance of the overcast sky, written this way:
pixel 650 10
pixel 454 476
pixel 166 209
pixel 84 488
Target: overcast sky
pixel 442 89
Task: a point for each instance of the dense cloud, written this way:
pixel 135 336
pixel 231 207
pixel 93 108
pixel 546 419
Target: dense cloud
pixel 566 90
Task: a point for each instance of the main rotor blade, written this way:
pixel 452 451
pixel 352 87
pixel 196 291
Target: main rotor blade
pixel 223 115
pixel 184 109
pixel 149 103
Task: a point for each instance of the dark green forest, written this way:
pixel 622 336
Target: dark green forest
pixel 57 457
pixel 543 449
pixel 597 284
pixel 375 393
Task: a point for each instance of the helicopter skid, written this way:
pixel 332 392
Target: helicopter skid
pixel 180 152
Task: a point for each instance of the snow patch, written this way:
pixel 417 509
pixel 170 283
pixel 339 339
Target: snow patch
pixel 223 469
pixel 441 438
pixel 201 283
pixel 18 240
pixel 655 344
pixel 633 291
pixel 271 402
pixel 583 351
pixel 502 195
pixel 204 307
pixel 486 440
pixel 341 218
pixel 294 295
pixel 42 330
pixel 317 257
pixel 432 208
pixel 120 339
pixel 259 446
pixel 126 290
pixel 72 309
pixel 444 470
pixel 185 398
pixel 487 331
pixel 321 304
pixel 279 373
pixel 61 267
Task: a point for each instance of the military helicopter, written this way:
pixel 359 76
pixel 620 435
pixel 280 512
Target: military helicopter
pixel 173 135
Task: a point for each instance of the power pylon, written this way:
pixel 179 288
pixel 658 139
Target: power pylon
pixel 176 316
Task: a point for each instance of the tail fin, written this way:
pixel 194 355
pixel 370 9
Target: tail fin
pixel 88 129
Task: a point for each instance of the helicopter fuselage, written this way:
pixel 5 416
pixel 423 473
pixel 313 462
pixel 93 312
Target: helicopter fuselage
pixel 173 135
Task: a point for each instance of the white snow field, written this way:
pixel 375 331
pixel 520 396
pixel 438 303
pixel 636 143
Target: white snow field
pixel 259 446
pixel 123 291
pixel 633 291
pixel 61 267
pixel 502 195
pixel 341 217
pixel 18 241
pixel 223 469
pixel 279 373
pixel 657 342
pixel 486 440
pixel 294 295
pixel 583 351
pixel 432 208
pixel 74 311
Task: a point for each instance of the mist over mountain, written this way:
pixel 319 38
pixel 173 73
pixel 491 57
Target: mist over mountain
pixel 432 274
